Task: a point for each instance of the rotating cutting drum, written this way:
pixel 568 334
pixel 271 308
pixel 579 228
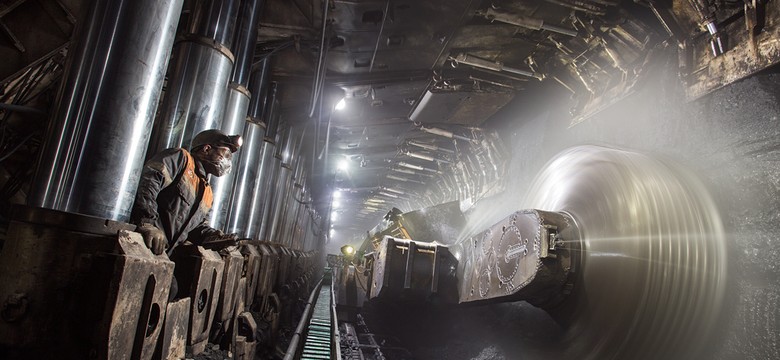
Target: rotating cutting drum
pixel 626 251
pixel 652 275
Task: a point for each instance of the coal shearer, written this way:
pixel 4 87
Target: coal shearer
pixel 174 197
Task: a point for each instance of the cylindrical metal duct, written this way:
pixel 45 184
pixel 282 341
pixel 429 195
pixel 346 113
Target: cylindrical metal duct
pixel 292 160
pixel 216 20
pixel 198 87
pixel 95 145
pixel 280 186
pixel 293 223
pixel 246 38
pixel 281 189
pixel 231 188
pixel 272 112
pixel 247 177
pixel 196 95
pixel 233 123
pixel 272 137
pixel 260 196
pixel 259 86
pixel 289 207
pixel 275 166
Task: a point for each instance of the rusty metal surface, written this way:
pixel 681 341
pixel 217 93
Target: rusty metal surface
pixel 174 335
pixel 136 300
pixel 413 270
pixel 39 270
pixel 268 269
pixel 252 262
pixel 284 266
pixel 199 274
pixel 228 291
pixel 75 293
pixel 68 221
pixel 750 53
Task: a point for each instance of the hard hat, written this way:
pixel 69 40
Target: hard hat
pixel 215 137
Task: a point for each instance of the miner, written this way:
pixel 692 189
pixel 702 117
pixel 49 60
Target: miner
pixel 174 197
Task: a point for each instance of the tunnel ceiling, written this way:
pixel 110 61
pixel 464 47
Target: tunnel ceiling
pixel 402 66
pixel 448 64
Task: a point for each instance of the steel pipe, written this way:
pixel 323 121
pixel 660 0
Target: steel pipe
pixel 216 20
pixel 248 175
pixel 272 115
pixel 96 143
pixel 233 123
pixel 280 191
pixel 524 21
pixel 277 188
pixel 259 85
pixel 246 39
pixel 269 186
pixel 198 85
pixel 196 96
pixel 259 192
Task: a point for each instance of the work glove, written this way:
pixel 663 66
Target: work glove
pixel 219 241
pixel 154 237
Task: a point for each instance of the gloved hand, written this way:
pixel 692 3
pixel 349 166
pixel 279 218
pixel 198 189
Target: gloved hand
pixel 220 241
pixel 154 237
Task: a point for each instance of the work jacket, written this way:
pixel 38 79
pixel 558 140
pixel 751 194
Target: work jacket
pixel 174 195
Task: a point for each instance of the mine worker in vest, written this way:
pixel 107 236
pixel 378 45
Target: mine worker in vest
pixel 174 197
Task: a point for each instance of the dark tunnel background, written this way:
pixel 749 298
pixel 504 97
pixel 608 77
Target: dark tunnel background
pixel 729 138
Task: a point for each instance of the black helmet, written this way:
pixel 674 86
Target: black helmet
pixel 215 137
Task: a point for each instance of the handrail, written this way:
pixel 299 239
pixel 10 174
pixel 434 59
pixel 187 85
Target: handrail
pixel 296 338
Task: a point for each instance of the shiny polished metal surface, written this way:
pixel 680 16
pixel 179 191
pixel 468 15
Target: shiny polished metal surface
pixel 259 85
pixel 246 39
pixel 216 19
pixel 96 144
pixel 259 193
pixel 248 175
pixel 197 92
pixel 654 263
pixel 272 166
pixel 233 122
pixel 281 188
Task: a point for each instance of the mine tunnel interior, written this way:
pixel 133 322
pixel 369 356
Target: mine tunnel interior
pixel 437 179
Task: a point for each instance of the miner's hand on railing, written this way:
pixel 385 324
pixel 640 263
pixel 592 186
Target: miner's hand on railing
pixel 154 237
pixel 220 241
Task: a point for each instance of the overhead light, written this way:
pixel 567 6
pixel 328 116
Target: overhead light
pixel 332 232
pixel 343 165
pixel 337 194
pixel 341 105
pixel 348 250
pixel 336 204
pixel 333 216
